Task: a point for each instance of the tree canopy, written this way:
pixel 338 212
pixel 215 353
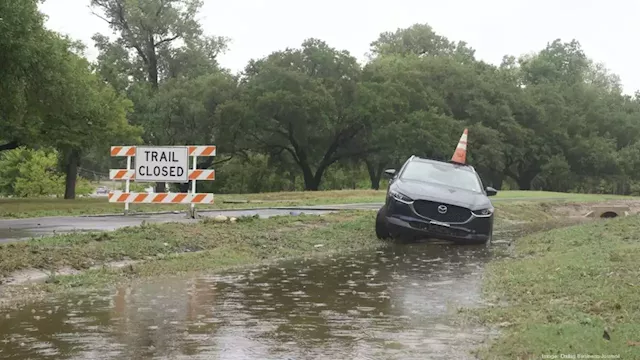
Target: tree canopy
pixel 310 117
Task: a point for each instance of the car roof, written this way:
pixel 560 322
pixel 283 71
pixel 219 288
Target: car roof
pixel 447 163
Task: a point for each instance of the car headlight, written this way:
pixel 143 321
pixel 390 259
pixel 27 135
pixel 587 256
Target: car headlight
pixel 483 212
pixel 401 197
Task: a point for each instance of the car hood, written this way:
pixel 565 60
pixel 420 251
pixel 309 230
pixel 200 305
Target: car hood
pixel 419 190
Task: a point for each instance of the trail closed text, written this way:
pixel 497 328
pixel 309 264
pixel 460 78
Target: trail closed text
pixel 162 164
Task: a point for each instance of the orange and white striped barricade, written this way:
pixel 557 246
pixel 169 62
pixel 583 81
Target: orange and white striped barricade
pixel 160 198
pixel 162 164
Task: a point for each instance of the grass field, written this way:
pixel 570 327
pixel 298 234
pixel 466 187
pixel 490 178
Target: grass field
pixel 563 289
pixel 23 208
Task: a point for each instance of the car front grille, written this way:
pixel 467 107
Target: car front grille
pixel 429 209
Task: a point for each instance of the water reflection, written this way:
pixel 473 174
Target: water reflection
pixel 390 303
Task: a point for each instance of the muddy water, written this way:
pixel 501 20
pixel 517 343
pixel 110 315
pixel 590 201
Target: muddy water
pixel 391 303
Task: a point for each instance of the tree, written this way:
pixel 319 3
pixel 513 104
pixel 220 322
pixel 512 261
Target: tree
pixel 148 27
pixel 157 40
pixel 421 40
pixel 88 112
pixel 26 172
pixel 302 102
pixel 26 64
pixel 185 111
pixel 29 173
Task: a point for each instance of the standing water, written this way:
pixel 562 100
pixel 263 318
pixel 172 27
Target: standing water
pixel 390 303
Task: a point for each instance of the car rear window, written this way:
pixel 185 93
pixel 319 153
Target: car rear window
pixel 442 174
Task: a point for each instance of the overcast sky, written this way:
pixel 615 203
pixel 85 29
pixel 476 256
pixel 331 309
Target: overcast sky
pixel 607 30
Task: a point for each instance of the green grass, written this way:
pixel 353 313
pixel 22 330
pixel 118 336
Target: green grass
pixel 518 194
pixel 25 208
pixel 563 288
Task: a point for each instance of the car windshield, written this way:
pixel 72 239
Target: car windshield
pixel 443 174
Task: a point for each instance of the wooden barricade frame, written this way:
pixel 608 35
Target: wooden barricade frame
pixel 194 174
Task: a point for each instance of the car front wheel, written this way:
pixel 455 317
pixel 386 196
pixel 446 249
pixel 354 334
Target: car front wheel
pixel 382 232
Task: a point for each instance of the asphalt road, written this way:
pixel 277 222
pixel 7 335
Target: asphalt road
pixel 24 229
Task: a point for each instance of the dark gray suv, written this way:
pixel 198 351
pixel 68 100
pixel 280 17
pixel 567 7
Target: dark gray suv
pixel 436 199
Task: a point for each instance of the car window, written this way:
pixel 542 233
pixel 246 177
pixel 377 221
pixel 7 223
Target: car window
pixel 442 174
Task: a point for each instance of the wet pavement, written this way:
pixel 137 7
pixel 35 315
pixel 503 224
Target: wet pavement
pixel 391 303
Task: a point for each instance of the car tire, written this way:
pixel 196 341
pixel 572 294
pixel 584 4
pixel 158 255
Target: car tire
pixel 382 232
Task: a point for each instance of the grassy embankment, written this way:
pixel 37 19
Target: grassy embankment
pixel 177 247
pixel 563 289
pixel 170 248
pixel 24 208
pixel 165 249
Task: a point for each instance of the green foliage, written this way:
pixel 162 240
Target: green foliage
pixel 22 37
pixel 301 103
pixel 312 117
pixel 137 187
pixel 250 175
pixel 31 173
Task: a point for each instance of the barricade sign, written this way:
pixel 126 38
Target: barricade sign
pixel 168 164
pixel 162 164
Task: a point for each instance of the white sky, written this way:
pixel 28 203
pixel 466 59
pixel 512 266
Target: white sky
pixel 608 31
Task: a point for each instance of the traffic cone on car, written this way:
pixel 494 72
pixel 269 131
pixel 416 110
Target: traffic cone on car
pixel 460 155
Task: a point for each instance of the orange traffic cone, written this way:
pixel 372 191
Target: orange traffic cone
pixel 460 155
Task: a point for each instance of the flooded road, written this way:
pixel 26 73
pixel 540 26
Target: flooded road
pixel 386 304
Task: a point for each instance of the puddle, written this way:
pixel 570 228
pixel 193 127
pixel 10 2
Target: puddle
pixel 388 303
pixel 393 303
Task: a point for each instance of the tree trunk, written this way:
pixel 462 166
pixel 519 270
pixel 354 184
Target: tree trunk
pixel 71 170
pixel 152 66
pixel 9 146
pixel 161 187
pixel 292 178
pixel 375 174
pixel 524 182
pixel 310 182
pixel 185 187
pixel 497 180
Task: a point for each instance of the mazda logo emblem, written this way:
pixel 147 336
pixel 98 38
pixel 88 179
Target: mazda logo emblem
pixel 442 209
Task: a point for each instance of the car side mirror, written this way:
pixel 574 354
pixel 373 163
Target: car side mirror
pixel 390 172
pixel 491 191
